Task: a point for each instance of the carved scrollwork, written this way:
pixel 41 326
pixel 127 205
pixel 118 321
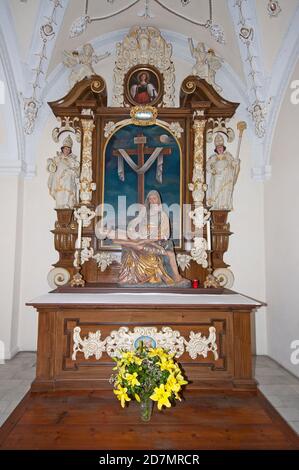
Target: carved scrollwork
pixel 67 124
pixel 58 277
pixel 97 86
pixel 220 125
pixel 125 340
pixel 189 87
pixel 89 346
pixel 144 45
pixel 225 277
pixel 199 345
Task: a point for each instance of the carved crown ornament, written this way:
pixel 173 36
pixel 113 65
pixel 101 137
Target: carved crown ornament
pixel 67 124
pixel 125 340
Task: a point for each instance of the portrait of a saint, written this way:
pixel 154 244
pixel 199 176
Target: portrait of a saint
pixel 144 87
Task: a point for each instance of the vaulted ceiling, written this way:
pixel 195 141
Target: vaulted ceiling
pixel 274 47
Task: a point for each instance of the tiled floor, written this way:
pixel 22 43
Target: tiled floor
pixel 279 386
pixel 16 376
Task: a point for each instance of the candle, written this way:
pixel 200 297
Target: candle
pixel 188 245
pixel 79 234
pixel 195 283
pixel 208 227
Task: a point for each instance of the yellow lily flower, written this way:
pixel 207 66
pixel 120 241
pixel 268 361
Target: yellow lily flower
pixel 122 395
pixel 129 357
pixel 180 379
pixel 137 397
pixel 156 352
pixel 132 379
pixel 177 396
pixel 172 384
pixel 166 364
pixel 161 396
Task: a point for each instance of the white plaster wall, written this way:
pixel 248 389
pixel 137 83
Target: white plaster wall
pixel 10 189
pixel 282 235
pixel 38 253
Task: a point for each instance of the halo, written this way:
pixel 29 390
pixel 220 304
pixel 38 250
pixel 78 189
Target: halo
pixel 142 73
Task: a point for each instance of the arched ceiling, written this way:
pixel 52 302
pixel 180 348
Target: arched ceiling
pixel 273 30
pixel 164 20
pixel 24 29
pixel 274 45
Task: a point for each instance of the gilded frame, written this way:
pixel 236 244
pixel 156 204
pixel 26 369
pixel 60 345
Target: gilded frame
pixel 154 77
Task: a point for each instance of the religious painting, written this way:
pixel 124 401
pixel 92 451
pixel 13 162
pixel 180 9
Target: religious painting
pixel 137 161
pixel 146 341
pixel 143 86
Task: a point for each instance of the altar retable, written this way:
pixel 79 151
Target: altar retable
pixel 124 275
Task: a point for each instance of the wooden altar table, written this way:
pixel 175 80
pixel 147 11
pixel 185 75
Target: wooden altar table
pixel 78 334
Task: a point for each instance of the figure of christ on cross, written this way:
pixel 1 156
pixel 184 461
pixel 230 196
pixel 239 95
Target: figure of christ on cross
pixel 141 151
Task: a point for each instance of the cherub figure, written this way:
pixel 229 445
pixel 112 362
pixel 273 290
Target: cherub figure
pixel 207 63
pixel 81 63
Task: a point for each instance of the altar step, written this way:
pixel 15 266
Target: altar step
pixel 95 420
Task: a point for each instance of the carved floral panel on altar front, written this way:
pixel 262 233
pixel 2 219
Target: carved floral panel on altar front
pixel 89 343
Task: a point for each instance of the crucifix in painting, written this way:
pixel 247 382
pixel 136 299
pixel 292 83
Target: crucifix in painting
pixel 135 164
pixel 156 154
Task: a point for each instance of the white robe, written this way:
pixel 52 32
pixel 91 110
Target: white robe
pixel 223 170
pixel 62 182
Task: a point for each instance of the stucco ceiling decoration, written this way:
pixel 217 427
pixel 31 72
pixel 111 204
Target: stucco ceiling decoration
pixel 273 8
pixel 258 107
pixel 80 24
pixel 265 92
pixel 47 33
pixel 274 43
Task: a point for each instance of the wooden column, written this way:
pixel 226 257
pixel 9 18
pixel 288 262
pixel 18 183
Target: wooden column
pixel 86 183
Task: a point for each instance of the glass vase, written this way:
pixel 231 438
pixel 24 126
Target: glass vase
pixel 146 409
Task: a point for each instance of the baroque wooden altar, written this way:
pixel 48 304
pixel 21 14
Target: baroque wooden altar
pixel 217 355
pixel 199 105
pixel 84 323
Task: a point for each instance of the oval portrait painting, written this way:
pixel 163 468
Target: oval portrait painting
pixel 143 86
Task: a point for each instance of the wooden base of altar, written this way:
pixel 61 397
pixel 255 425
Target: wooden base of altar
pixel 78 334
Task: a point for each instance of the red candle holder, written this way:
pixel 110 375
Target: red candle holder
pixel 195 283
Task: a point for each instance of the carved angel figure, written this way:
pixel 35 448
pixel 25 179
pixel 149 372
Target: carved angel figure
pixel 63 180
pixel 81 63
pixel 207 63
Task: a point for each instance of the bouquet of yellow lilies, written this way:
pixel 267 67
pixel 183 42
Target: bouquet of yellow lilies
pixel 148 374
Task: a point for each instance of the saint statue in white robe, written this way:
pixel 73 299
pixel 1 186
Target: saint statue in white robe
pixel 63 180
pixel 223 169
